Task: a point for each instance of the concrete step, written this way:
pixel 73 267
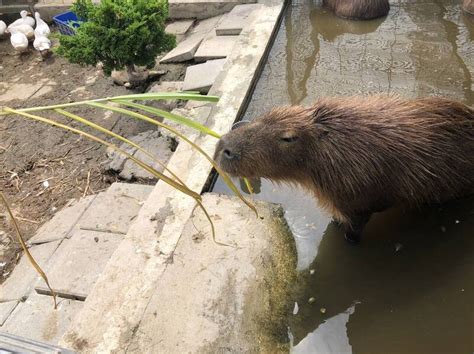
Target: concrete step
pixel 236 20
pixel 201 9
pixel 201 77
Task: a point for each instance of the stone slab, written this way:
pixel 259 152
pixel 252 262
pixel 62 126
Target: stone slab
pixel 201 77
pixel 159 145
pixel 78 262
pixel 210 289
pixel 21 281
pixel 207 25
pixel 215 47
pixel 179 28
pixel 60 226
pixel 202 9
pixel 185 50
pixel 6 308
pixel 233 22
pixel 18 91
pixel 37 319
pixel 133 273
pixel 114 210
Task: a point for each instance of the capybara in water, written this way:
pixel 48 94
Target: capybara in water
pixel 358 9
pixel 360 155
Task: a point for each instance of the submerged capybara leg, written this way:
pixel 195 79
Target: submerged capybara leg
pixel 353 231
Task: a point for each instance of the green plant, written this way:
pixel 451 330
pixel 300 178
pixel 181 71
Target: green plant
pixel 119 34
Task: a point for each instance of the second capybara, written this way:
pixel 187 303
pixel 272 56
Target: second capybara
pixel 360 155
pixel 358 9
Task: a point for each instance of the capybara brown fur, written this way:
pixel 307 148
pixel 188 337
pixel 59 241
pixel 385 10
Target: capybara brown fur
pixel 360 155
pixel 358 9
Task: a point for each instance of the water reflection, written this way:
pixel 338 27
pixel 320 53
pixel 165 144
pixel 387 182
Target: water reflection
pixel 413 274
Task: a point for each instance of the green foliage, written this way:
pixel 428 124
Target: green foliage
pixel 118 33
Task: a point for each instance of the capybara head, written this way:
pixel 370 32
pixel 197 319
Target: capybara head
pixel 273 146
pixel 358 9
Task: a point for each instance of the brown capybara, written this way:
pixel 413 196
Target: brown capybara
pixel 360 155
pixel 358 9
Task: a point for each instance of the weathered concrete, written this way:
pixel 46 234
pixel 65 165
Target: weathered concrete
pixel 6 308
pixel 18 91
pixel 23 277
pixel 202 9
pixel 134 270
pixel 125 200
pixel 185 50
pixel 233 22
pixel 62 224
pixel 37 319
pixel 202 76
pixel 215 47
pixel 78 262
pixel 159 145
pixel 179 28
pixel 165 86
pixel 223 297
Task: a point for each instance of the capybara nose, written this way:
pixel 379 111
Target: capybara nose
pixel 229 154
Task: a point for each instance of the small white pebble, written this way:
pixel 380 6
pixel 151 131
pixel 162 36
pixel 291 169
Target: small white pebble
pixel 311 300
pixel 456 221
pixel 312 271
pixel 296 309
pixel 398 247
pixel 462 290
pixel 45 184
pixel 322 310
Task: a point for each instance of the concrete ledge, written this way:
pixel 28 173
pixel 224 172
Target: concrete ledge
pixel 201 9
pixel 48 11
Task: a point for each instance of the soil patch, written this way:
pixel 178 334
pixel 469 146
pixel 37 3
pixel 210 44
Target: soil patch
pixel 42 167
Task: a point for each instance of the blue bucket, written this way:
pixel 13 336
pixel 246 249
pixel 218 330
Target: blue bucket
pixel 67 23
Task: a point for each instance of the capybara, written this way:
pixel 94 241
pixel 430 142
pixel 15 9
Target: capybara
pixel 358 9
pixel 360 155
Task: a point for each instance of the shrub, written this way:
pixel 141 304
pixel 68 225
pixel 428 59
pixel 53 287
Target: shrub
pixel 119 34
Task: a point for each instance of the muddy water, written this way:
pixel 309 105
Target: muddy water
pixel 409 286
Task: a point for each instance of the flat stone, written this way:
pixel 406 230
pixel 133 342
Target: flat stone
pixel 207 25
pixel 159 145
pixel 114 210
pixel 219 287
pixel 179 28
pixel 6 308
pixel 60 226
pixel 201 77
pixel 78 262
pixel 233 22
pixel 185 50
pixel 18 91
pixel 37 319
pixel 165 86
pixel 202 9
pixel 215 47
pixel 23 277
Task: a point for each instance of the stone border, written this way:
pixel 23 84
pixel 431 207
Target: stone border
pixel 118 301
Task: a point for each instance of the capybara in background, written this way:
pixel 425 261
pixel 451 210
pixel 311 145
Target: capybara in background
pixel 360 155
pixel 358 9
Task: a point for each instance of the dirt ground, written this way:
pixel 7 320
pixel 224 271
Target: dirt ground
pixel 42 167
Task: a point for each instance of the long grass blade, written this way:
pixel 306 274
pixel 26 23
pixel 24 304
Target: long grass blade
pixel 224 176
pixel 171 116
pixel 146 167
pixel 26 250
pixel 142 96
pixel 119 137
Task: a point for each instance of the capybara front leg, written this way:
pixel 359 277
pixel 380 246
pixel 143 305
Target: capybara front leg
pixel 353 231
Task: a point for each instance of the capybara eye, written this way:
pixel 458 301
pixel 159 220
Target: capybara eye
pixel 289 139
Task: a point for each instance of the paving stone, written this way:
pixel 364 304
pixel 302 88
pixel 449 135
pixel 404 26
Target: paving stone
pixel 114 210
pixel 233 22
pixel 21 281
pixel 215 47
pixel 159 145
pixel 60 226
pixel 185 50
pixel 37 319
pixel 179 28
pixel 202 9
pixel 18 91
pixel 207 25
pixel 78 262
pixel 201 77
pixel 6 308
pixel 165 86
